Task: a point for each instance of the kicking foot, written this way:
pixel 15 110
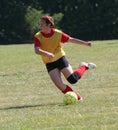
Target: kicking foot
pixel 88 65
pixel 80 100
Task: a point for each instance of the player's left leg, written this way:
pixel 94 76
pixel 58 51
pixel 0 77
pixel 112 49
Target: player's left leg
pixel 55 76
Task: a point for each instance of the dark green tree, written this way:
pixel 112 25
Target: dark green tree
pixel 86 19
pixel 12 23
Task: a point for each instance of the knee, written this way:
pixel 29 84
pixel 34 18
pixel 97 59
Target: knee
pixel 73 78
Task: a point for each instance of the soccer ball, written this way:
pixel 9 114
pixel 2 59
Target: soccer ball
pixel 70 98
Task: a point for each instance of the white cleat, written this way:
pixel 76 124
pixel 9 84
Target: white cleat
pixel 80 100
pixel 88 65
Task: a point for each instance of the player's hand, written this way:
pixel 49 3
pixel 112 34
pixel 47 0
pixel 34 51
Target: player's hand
pixel 89 44
pixel 50 55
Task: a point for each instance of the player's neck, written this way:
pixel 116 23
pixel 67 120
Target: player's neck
pixel 47 31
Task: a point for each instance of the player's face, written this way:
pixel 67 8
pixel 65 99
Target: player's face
pixel 43 26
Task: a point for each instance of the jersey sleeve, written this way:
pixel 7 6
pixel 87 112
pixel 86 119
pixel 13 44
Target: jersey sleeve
pixel 65 37
pixel 36 42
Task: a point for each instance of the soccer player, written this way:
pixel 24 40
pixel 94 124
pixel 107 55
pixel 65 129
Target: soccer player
pixel 48 43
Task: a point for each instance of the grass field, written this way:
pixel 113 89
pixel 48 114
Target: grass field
pixel 30 101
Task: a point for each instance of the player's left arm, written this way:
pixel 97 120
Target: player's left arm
pixel 78 41
pixel 67 38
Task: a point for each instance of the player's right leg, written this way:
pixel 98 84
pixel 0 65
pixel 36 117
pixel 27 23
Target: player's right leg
pixel 73 77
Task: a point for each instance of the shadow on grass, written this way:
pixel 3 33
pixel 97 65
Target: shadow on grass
pixel 32 106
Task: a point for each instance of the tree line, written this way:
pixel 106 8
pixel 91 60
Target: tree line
pixel 85 19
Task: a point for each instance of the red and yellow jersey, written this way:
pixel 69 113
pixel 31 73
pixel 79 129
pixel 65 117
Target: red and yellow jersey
pixel 52 43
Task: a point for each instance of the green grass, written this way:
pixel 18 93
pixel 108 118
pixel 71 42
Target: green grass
pixel 30 101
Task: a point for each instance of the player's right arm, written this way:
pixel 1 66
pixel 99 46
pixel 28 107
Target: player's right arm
pixel 39 51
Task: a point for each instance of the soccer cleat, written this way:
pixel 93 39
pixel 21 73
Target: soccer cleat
pixel 80 100
pixel 88 65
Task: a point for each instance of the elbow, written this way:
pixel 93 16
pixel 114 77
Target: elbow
pixel 36 50
pixel 70 39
